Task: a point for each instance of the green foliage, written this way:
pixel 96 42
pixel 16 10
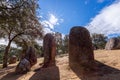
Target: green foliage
pixel 65 43
pixel 39 50
pixel 118 37
pixel 62 44
pixel 13 51
pixel 2 48
pixel 99 41
pixel 18 20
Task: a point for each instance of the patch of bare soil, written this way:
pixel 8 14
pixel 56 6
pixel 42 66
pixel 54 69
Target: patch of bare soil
pixel 108 68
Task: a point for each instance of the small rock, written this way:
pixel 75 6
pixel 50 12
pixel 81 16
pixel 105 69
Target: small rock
pixel 13 59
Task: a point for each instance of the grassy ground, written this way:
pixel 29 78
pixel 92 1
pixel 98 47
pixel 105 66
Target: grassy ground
pixel 109 69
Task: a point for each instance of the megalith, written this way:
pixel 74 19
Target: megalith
pixel 31 56
pixel 49 50
pixel 113 44
pixel 23 66
pixel 80 48
pixel 27 61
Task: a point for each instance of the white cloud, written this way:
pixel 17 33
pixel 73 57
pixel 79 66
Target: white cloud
pixel 39 42
pixel 47 30
pixel 5 42
pixel 53 20
pixel 61 20
pixel 40 17
pixel 63 35
pixel 50 23
pixel 107 21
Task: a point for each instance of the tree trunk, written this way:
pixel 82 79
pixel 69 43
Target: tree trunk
pixel 5 57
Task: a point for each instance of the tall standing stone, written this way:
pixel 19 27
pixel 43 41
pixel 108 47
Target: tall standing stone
pixel 80 48
pixel 49 50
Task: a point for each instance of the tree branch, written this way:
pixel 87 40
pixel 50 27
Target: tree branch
pixel 13 8
pixel 16 36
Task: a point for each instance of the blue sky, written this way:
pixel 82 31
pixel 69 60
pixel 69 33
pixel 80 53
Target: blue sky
pixel 62 15
pixel 98 16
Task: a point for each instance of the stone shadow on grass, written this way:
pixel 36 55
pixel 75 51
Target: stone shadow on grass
pixel 50 73
pixel 100 72
pixel 11 76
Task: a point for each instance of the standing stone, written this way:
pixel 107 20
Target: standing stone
pixel 31 56
pixel 27 61
pixel 23 67
pixel 112 44
pixel 13 59
pixel 80 48
pixel 49 50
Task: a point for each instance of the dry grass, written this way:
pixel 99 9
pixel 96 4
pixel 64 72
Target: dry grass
pixel 108 57
pixel 110 70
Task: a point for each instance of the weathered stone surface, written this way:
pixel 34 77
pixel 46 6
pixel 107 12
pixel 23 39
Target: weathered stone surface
pixel 80 48
pixel 13 59
pixel 27 61
pixel 31 56
pixel 49 50
pixel 112 44
pixel 23 67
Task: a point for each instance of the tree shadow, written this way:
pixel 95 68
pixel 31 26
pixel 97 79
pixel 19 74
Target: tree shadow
pixel 50 73
pixel 11 76
pixel 2 71
pixel 100 72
